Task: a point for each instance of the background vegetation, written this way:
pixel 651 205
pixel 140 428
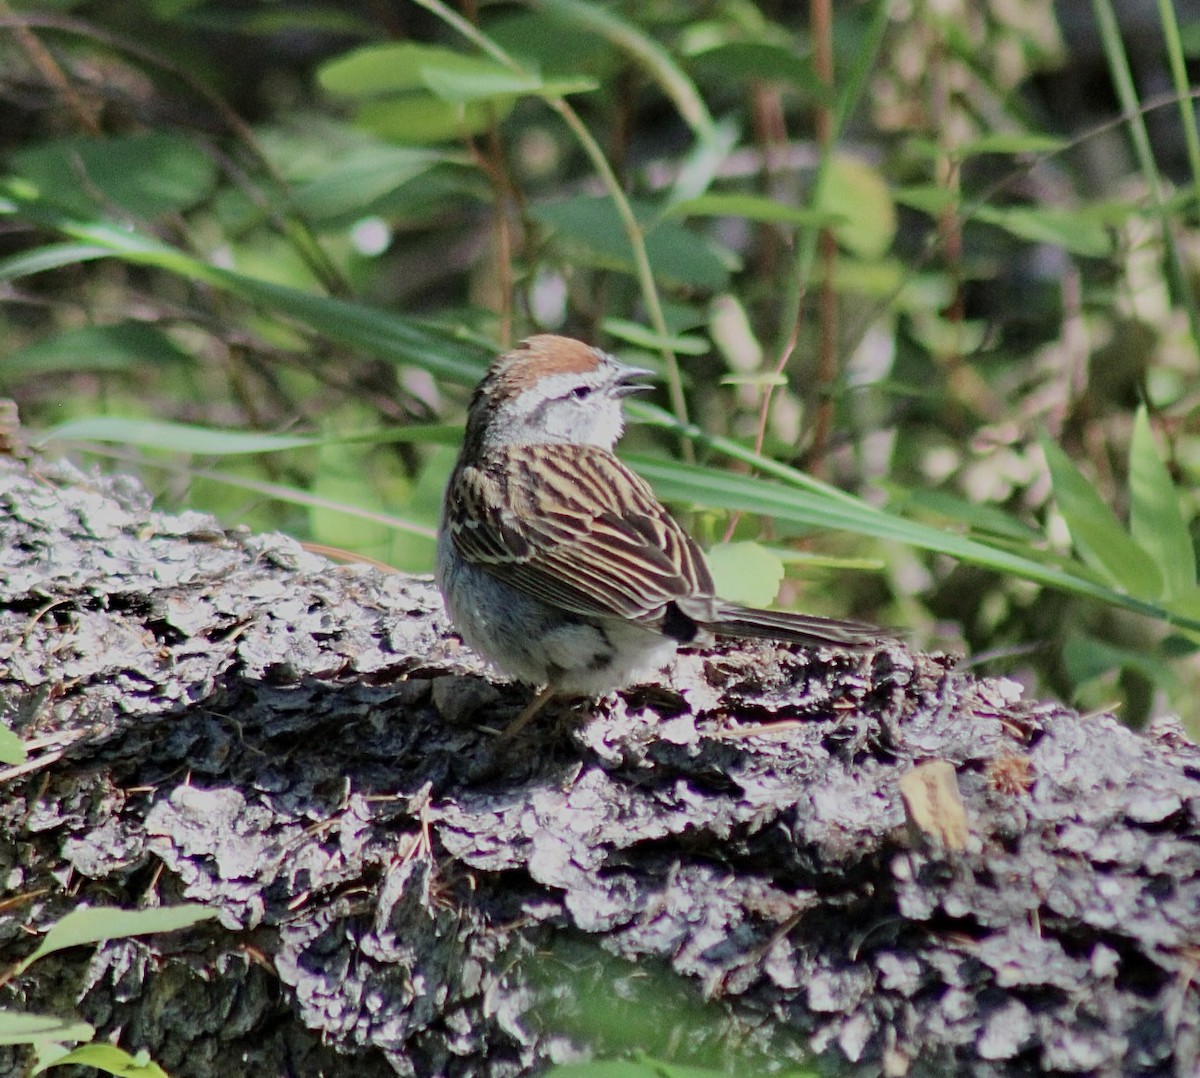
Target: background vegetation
pixel 919 278
pixel 940 257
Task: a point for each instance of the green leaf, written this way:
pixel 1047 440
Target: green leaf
pixel 1086 658
pixel 645 50
pixel 760 379
pixel 483 80
pixel 422 118
pixel 858 195
pixel 1070 229
pixel 110 1059
pixel 452 78
pixel 1011 144
pixel 117 347
pixel 552 43
pixel 12 748
pixel 745 572
pixel 928 198
pixel 174 437
pixel 798 498
pixel 879 280
pixel 94 924
pixel 495 82
pixel 759 60
pixel 979 518
pixel 589 228
pixel 1096 532
pixel 379 70
pixel 212 441
pixel 606 1068
pixel 752 207
pixel 352 181
pixel 52 256
pixel 1155 517
pixel 21 1027
pixel 147 175
pixel 644 337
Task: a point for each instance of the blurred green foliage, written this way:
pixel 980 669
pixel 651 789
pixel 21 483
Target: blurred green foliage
pixel 925 315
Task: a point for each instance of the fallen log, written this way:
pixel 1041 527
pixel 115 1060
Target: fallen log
pixel 877 858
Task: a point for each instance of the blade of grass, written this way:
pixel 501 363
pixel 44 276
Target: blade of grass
pixel 834 508
pixel 1123 82
pixel 1182 83
pixel 1155 518
pixel 689 483
pixel 214 442
pixel 94 924
pixel 370 329
pixel 277 491
pixel 1095 531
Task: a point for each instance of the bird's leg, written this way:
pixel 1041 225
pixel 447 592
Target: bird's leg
pixel 528 714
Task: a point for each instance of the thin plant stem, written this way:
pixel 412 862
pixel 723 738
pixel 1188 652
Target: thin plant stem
pixel 821 20
pixel 633 230
pixel 1179 76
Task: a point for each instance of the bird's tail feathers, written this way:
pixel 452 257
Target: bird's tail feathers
pixel 807 629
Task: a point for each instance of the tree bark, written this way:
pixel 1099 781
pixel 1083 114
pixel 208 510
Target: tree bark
pixel 220 717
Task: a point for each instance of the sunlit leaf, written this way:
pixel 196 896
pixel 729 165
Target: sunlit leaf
pixel 173 437
pixel 856 194
pixel 52 256
pixel 928 198
pixel 745 572
pixel 94 924
pixel 1096 532
pixel 109 1059
pixel 495 83
pixel 802 500
pixel 386 69
pixel 1155 517
pixel 215 442
pixel 644 337
pixel 382 333
pixel 987 519
pixel 21 1027
pixel 422 118
pixel 12 748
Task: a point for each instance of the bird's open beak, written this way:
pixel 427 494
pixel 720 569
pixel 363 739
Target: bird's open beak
pixel 626 384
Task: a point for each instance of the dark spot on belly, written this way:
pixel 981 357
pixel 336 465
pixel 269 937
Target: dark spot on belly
pixel 604 654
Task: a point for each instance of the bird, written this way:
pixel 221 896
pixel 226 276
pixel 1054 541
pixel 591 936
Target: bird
pixel 556 561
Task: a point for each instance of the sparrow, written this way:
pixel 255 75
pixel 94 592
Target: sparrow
pixel 556 561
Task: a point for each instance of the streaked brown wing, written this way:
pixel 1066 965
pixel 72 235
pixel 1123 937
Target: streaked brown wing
pixel 602 544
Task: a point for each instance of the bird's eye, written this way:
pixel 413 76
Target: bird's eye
pixel 580 393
